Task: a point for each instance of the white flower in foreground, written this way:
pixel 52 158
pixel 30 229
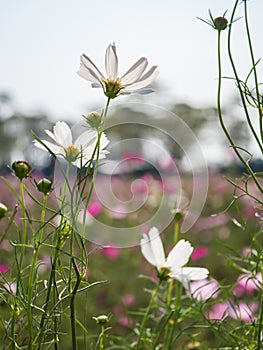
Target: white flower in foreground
pixel 113 85
pixel 172 266
pixel 78 153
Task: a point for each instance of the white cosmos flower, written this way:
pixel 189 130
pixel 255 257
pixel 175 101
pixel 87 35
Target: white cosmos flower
pixel 172 266
pixel 79 152
pixel 113 85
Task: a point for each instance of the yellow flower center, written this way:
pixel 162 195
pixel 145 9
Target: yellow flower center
pixel 112 87
pixel 72 153
pixel 163 273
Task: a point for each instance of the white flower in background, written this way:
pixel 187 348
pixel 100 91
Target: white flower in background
pixel 113 85
pixel 78 153
pixel 172 266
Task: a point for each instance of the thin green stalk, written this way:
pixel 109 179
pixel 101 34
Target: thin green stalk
pixel 178 294
pixel 97 153
pixel 254 69
pixel 102 337
pixel 240 90
pixel 71 294
pixel 31 280
pixel 20 262
pixel 260 319
pixel 39 335
pixel 171 281
pixel 245 163
pixel 24 225
pixel 146 315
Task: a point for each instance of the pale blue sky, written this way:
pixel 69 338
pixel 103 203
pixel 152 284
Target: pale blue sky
pixel 41 41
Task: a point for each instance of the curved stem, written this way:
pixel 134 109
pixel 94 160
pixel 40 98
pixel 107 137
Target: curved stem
pixel 254 69
pixel 240 88
pixel 245 163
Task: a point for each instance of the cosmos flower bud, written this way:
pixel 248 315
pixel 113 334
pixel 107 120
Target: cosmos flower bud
pixel 3 211
pixel 21 169
pixel 94 120
pixel 220 23
pixel 44 185
pixel 102 319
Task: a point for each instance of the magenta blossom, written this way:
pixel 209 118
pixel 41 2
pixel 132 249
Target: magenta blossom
pixel 4 268
pixel 94 209
pixel 111 252
pixel 199 252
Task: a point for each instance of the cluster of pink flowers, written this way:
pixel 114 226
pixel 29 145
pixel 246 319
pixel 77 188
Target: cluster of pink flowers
pixel 247 284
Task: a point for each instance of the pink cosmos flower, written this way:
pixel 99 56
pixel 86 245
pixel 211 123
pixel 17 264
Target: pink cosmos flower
pixel 248 284
pixel 218 311
pixel 125 321
pixel 10 287
pixel 204 289
pixel 4 268
pixel 240 311
pixel 200 252
pixel 128 299
pixel 111 252
pixel 95 208
pixel 243 311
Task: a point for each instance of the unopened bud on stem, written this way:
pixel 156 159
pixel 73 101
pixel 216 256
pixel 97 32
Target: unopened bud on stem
pixel 21 169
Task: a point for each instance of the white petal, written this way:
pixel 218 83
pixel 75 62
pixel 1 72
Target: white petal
pixel 92 68
pixel 144 81
pixel 157 246
pixel 86 139
pixel 135 72
pixel 84 73
pixel 62 134
pixel 187 274
pixel 103 141
pixel 103 154
pixel 58 150
pixel 147 250
pixel 80 162
pixel 96 85
pixel 111 62
pixel 195 273
pixel 180 254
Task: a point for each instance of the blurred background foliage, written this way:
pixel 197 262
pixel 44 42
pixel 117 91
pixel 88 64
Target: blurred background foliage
pixel 16 140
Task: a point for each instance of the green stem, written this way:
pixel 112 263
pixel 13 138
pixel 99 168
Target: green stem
pixel 97 153
pixel 24 225
pixel 171 281
pixel 260 319
pixel 240 90
pixel 102 337
pixel 49 288
pixel 178 293
pixel 146 316
pixel 31 280
pixel 20 262
pixel 221 120
pixel 254 70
